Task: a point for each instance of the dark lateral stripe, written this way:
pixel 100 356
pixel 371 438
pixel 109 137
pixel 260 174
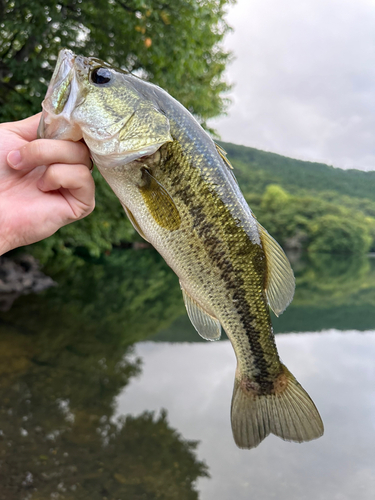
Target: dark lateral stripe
pixel 189 186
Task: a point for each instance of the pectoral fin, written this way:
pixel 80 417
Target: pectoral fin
pixel 206 325
pixel 159 203
pixel 280 278
pixel 133 221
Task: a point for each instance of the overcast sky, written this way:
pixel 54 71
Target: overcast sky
pixel 304 79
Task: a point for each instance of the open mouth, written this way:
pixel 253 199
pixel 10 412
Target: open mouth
pixel 56 121
pixel 59 90
pixel 61 95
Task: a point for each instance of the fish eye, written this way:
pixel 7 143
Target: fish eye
pixel 100 76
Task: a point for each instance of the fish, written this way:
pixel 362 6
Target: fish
pixel 179 191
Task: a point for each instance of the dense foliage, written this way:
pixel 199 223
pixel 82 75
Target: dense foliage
pixel 312 223
pixel 173 44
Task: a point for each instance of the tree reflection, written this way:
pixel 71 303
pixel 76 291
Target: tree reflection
pixel 65 356
pixel 332 291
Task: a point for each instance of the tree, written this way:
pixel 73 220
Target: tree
pixel 312 223
pixel 173 44
pixel 333 234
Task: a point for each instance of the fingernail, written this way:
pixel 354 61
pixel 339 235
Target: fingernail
pixel 14 158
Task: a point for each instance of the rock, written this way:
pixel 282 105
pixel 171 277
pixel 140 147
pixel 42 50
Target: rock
pixel 18 276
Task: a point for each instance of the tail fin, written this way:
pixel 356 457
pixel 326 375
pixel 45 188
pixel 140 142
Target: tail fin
pixel 288 413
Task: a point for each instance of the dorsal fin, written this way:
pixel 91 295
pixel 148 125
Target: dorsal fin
pixel 280 278
pixel 223 154
pixel 206 325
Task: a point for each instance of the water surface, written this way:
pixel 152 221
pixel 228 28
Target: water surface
pixel 107 392
pixel 195 382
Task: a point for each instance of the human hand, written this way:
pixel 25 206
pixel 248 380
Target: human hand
pixel 44 184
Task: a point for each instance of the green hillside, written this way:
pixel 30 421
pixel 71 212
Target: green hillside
pixel 294 175
pixel 307 206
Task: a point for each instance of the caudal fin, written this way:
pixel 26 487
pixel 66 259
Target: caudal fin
pixel 288 413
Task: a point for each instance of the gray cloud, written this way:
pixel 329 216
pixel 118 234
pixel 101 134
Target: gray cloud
pixel 304 79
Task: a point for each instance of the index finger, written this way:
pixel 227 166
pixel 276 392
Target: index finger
pixel 49 151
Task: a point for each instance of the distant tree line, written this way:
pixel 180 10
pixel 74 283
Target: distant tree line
pixel 305 205
pixel 311 223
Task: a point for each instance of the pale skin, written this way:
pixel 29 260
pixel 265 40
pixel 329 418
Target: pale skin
pixel 44 184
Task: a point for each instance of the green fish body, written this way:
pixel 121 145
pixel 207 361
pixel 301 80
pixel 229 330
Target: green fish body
pixel 179 192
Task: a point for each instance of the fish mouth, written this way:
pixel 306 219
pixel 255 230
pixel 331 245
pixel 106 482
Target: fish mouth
pixel 60 101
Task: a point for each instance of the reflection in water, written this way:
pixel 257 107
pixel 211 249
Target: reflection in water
pixel 58 440
pixel 67 360
pixel 331 292
pixel 337 369
pixel 66 354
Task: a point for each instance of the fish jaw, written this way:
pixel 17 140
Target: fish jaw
pixel 61 99
pixel 116 122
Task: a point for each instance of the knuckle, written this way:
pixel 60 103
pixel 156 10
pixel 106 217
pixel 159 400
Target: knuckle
pixel 34 151
pixel 52 172
pixel 90 207
pixel 83 153
pixel 81 174
pixel 85 175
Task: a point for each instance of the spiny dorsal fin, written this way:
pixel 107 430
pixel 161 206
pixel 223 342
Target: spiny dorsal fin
pixel 227 163
pixel 280 278
pixel 133 221
pixel 223 154
pixel 159 203
pixel 206 325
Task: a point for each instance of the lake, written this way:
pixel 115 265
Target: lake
pixel 108 393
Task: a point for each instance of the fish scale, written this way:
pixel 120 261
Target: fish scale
pixel 179 192
pixel 226 248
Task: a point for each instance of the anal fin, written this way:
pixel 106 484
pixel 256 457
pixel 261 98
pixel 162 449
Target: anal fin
pixel 206 325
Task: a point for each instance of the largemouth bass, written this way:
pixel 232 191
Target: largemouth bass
pixel 178 190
